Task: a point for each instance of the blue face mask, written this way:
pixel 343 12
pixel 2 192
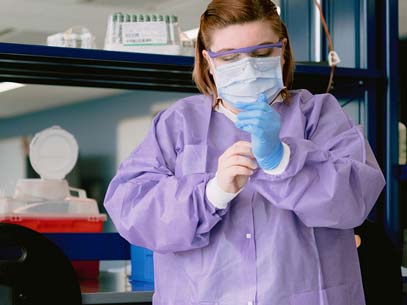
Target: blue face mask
pixel 243 81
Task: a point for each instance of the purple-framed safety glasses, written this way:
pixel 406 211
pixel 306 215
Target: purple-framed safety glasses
pixel 245 50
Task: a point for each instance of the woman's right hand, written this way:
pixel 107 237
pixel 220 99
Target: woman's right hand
pixel 235 166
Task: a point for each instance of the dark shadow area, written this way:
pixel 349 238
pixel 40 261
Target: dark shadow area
pixel 380 265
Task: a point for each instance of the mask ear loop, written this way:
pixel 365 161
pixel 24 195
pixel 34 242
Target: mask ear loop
pixel 276 98
pixel 213 67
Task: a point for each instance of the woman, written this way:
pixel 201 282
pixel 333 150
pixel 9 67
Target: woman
pixel 248 194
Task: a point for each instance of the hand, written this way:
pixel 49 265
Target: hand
pixel 263 123
pixel 235 166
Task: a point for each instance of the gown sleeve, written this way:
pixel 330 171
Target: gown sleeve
pixel 332 179
pixel 153 208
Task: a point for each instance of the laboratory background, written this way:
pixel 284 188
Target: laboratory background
pixel 81 80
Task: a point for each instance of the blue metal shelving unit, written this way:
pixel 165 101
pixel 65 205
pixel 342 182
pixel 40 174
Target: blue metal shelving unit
pixel 94 68
pixel 389 55
pixel 365 34
pixel 377 80
pixel 111 69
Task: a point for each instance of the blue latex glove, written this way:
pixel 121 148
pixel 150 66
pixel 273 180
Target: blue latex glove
pixel 263 123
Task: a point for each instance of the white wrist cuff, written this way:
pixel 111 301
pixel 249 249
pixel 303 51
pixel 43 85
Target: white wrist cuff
pixel 218 197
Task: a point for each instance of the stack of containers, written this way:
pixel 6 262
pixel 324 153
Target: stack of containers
pixel 47 205
pixel 145 33
pixel 74 37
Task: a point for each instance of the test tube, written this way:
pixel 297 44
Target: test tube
pixel 176 30
pixel 109 31
pixel 121 20
pixel 116 28
pixel 167 21
pixel 172 29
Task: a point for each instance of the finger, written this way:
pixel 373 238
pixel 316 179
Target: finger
pixel 241 106
pixel 255 106
pixel 237 160
pixel 240 147
pixel 252 121
pixel 261 99
pixel 259 104
pixel 263 120
pixel 253 130
pixel 242 144
pixel 246 153
pixel 238 171
pixel 250 114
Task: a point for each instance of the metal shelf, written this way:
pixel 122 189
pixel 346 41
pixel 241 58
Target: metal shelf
pixel 94 68
pixel 34 64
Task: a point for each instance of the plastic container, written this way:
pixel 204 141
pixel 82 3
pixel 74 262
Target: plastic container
pixel 142 266
pixel 49 204
pixel 74 37
pixel 145 33
pixel 51 224
pixel 84 269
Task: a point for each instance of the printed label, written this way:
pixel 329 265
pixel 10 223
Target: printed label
pixel 144 33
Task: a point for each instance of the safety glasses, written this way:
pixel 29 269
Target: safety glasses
pixel 264 50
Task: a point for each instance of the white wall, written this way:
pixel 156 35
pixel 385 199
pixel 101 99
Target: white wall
pixel 12 164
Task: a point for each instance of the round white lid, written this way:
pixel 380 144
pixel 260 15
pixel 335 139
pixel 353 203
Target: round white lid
pixel 53 153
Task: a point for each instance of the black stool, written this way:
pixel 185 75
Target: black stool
pixel 35 269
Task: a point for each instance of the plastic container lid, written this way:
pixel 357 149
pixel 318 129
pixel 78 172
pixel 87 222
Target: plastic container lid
pixel 53 153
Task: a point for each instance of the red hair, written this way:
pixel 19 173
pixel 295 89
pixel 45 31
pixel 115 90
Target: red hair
pixel 222 13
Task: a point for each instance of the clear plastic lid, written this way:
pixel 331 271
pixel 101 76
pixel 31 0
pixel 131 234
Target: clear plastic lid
pixel 53 153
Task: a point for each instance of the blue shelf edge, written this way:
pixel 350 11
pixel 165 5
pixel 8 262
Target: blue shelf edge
pixel 98 54
pixel 91 246
pixel 177 60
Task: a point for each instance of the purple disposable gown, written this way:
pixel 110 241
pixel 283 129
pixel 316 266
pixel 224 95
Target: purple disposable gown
pixel 284 240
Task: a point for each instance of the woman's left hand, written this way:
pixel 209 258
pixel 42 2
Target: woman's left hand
pixel 263 123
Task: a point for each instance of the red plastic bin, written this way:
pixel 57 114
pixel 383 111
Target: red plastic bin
pixel 90 224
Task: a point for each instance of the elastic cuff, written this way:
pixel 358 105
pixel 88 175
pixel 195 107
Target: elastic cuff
pixel 283 163
pixel 218 197
pixel 272 160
